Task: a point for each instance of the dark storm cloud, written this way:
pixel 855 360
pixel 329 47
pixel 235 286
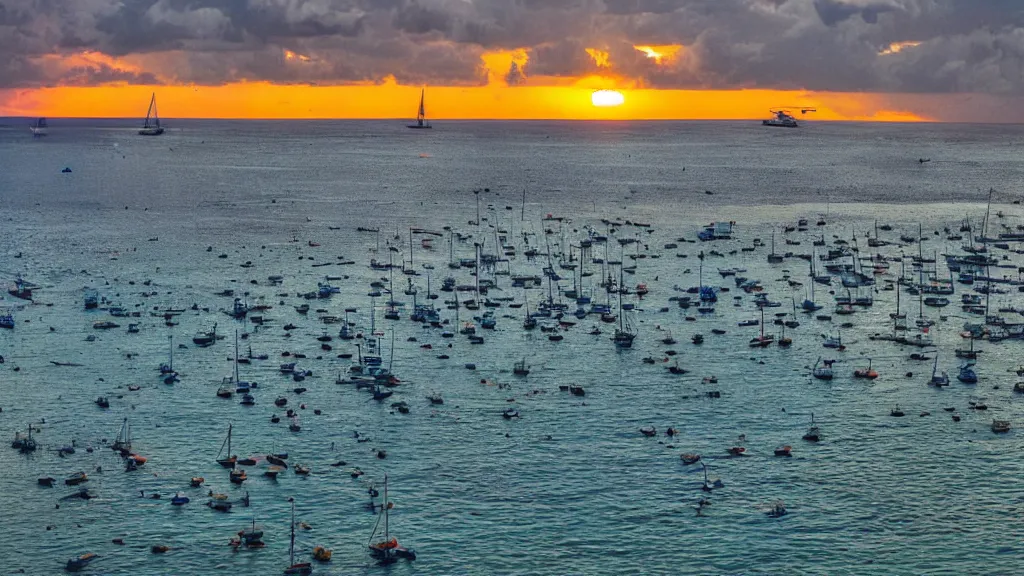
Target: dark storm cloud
pixel 839 45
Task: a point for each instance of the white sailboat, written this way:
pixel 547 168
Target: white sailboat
pixel 152 125
pixel 421 115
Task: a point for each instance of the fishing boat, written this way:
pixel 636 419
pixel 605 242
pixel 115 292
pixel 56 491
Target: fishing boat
pixel 205 338
pixel 387 551
pixel 21 289
pixel 152 127
pixel 39 128
pixel 295 568
pixel 421 115
pixel 228 461
pixel 24 444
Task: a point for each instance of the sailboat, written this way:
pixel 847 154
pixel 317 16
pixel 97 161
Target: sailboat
pixel 39 127
pixel 152 125
pixel 228 461
pixel 387 550
pixel 421 115
pixel 123 442
pixel 301 567
pixel 624 335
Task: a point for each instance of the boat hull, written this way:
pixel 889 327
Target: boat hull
pixel 151 131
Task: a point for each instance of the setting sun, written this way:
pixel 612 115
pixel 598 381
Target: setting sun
pixel 607 98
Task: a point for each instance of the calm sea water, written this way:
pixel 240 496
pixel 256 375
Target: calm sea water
pixel 570 488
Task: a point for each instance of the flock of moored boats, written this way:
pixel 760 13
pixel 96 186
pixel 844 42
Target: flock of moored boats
pixel 599 291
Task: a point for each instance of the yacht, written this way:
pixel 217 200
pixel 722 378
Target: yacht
pixel 783 119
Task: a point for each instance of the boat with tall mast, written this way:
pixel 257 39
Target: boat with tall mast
pixel 228 461
pixel 301 568
pixel 387 551
pixel 123 442
pixel 624 334
pixel 152 126
pixel 421 114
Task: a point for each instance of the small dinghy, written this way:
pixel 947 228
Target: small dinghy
pixel 77 564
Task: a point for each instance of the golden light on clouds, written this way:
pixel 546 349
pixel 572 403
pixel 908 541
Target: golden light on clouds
pixel 897 47
pixel 289 56
pixel 507 94
pixel 600 57
pixel 660 54
pixel 607 98
pixel 499 66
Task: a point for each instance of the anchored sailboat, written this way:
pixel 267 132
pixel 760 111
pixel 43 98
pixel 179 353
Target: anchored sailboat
pixel 152 125
pixel 387 550
pixel 421 115
pixel 300 568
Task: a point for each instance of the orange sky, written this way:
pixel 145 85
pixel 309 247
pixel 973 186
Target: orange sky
pixel 531 98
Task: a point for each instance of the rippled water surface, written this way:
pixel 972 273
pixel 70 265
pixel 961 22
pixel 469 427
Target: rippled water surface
pixel 570 488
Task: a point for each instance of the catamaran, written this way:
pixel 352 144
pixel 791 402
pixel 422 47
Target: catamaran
pixel 39 128
pixel 152 125
pixel 421 116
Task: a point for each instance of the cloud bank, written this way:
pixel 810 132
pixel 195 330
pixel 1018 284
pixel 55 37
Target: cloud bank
pixel 879 46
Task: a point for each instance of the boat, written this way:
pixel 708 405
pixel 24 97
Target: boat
pixel 295 568
pixel 1000 426
pixel 689 458
pixel 896 412
pixel 152 127
pixel 823 372
pixel 939 379
pixel 421 116
pixel 179 499
pixel 76 479
pixel 813 433
pixel 967 374
pixel 39 128
pixel 92 299
pixel 77 564
pixel 123 442
pixel 228 461
pixel 205 338
pixel 785 451
pixel 21 289
pixel 868 372
pixel 520 368
pixel 781 118
pixel 6 319
pixel 386 551
pixel 321 554
pixel 237 476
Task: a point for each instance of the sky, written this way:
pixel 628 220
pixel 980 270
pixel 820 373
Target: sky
pixel 886 60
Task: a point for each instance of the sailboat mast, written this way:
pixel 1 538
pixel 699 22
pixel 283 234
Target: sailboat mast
pixel 236 357
pixel 291 546
pixel 386 537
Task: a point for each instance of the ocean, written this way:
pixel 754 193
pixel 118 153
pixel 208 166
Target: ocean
pixel 571 486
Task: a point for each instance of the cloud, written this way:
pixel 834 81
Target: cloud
pixel 946 46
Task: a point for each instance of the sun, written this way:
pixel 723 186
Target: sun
pixel 607 98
